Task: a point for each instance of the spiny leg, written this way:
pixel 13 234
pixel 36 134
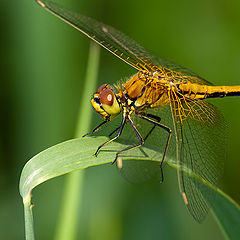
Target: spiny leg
pixel 156 123
pixel 114 138
pixel 115 130
pixel 96 128
pixel 141 140
pixel 158 119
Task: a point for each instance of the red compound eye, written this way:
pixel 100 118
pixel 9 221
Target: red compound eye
pixel 101 88
pixel 107 97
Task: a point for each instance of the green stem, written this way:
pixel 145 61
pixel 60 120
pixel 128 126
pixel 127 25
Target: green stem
pixel 67 225
pixel 29 229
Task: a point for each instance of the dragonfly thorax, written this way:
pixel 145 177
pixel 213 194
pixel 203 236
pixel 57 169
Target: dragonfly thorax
pixel 147 90
pixel 105 103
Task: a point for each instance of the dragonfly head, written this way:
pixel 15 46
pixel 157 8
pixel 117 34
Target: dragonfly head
pixel 105 103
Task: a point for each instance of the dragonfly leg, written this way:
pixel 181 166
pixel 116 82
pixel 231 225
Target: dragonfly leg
pixel 96 128
pixel 115 130
pixel 141 140
pixel 158 119
pixel 156 122
pixel 114 138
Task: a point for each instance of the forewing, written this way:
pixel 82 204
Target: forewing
pixel 106 36
pixel 116 42
pixel 201 138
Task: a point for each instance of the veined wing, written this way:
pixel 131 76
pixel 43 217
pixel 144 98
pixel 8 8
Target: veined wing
pixel 200 133
pixel 106 36
pixel 116 42
pixel 185 73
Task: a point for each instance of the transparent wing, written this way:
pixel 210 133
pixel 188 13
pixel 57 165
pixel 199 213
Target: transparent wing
pixel 185 73
pixel 201 138
pixel 117 43
pixel 197 146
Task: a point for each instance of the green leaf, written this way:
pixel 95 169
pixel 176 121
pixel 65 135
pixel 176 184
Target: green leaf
pixel 79 154
pixel 227 213
pixel 69 156
pixel 61 159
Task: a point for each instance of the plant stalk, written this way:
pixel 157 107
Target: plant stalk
pixel 72 197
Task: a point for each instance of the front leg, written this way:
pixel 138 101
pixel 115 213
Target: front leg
pixel 140 138
pixel 96 128
pixel 114 138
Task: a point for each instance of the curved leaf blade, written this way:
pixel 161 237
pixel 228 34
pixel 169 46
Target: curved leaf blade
pixel 79 154
pixel 69 156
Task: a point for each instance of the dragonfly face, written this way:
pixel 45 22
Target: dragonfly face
pixel 105 102
pixel 176 95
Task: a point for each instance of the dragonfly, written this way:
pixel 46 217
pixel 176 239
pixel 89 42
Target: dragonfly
pixel 171 99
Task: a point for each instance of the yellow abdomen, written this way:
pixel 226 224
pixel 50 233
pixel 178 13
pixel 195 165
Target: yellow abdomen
pixel 198 91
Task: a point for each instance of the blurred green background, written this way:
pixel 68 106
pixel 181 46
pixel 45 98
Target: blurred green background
pixel 43 64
